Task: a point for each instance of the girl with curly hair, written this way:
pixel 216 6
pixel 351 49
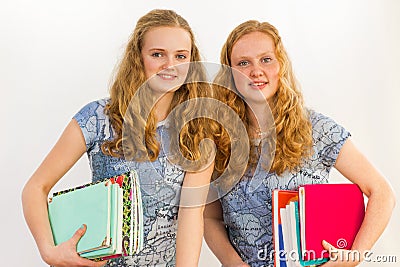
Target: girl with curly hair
pixel 133 130
pixel 300 147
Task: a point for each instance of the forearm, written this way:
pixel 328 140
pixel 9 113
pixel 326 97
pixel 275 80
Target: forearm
pixel 378 213
pixel 34 202
pixel 218 241
pixel 190 236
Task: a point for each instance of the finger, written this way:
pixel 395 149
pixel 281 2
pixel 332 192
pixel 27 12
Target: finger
pixel 78 234
pixel 96 263
pixel 327 246
pixel 326 264
pixel 101 263
pixel 334 254
pixel 91 263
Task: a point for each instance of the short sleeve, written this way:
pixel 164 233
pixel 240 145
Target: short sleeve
pixel 329 138
pixel 89 119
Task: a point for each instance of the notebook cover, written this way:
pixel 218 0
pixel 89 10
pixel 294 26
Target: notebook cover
pixel 293 209
pixel 125 182
pixel 137 211
pixel 90 205
pixel 115 229
pixel 333 212
pixel 314 262
pixel 279 200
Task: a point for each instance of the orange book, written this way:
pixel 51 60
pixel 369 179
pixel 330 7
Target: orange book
pixel 279 200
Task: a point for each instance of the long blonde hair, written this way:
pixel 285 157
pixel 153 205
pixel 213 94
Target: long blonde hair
pixel 292 122
pixel 130 77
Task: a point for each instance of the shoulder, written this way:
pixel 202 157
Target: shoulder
pixel 324 125
pixel 94 107
pixel 328 136
pixel 318 119
pixel 92 110
pixel 93 121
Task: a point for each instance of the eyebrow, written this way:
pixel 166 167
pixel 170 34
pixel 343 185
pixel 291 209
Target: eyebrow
pixel 162 49
pixel 259 55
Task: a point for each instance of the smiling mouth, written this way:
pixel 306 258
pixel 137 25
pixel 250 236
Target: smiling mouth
pixel 167 77
pixel 258 85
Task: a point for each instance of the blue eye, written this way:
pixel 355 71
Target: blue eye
pixel 266 59
pixel 156 54
pixel 243 63
pixel 181 56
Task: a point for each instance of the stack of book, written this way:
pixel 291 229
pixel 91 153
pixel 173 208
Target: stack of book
pixel 112 211
pixel 303 219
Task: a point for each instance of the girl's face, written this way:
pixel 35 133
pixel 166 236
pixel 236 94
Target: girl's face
pixel 255 67
pixel 163 49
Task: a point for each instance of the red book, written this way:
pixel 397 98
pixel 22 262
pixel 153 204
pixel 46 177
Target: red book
pixel 331 212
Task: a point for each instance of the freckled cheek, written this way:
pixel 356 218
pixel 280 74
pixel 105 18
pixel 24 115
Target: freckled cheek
pixel 273 72
pixel 241 80
pixel 150 68
pixel 242 75
pixel 183 69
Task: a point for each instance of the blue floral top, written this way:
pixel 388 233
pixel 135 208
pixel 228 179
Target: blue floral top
pixel 160 184
pixel 247 208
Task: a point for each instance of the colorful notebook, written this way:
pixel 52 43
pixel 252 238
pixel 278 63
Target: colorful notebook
pixel 112 211
pixel 331 212
pixel 279 200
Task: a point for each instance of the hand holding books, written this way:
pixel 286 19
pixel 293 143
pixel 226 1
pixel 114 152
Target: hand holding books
pixel 304 218
pixel 343 257
pixel 66 252
pixel 112 211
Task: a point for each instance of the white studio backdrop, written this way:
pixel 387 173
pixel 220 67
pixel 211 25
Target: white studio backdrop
pixel 56 56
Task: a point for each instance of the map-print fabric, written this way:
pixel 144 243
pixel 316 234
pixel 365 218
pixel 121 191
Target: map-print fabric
pixel 160 185
pixel 247 208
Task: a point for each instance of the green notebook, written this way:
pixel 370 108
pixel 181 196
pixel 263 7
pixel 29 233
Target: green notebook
pixel 115 246
pixel 111 209
pixel 91 205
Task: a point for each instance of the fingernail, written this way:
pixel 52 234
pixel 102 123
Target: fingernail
pixel 83 226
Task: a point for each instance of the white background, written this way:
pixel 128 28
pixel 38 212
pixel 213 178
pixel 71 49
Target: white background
pixel 55 56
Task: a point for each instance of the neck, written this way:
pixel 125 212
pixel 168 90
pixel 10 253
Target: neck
pixel 162 106
pixel 260 119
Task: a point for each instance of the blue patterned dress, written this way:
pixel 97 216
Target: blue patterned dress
pixel 247 208
pixel 160 184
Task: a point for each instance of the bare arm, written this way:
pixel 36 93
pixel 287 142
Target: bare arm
pixel 66 152
pixel 355 167
pixel 217 238
pixel 190 217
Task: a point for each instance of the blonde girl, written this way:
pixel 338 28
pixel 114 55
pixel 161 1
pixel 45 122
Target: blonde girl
pixel 238 227
pixel 131 129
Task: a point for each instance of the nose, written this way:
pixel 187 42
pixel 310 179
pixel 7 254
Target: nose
pixel 256 71
pixel 168 63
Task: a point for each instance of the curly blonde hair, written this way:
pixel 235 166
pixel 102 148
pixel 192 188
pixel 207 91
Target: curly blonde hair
pixel 292 123
pixel 139 142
